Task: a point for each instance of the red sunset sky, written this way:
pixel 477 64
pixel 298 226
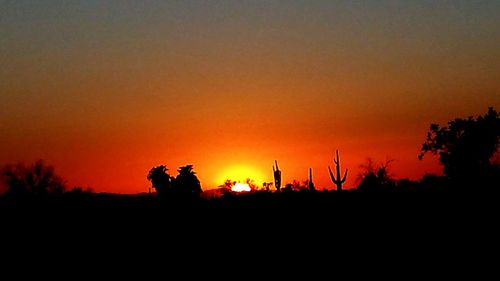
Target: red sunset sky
pixel 106 90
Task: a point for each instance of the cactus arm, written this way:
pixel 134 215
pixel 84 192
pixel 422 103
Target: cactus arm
pixel 331 175
pixel 345 176
pixel 338 171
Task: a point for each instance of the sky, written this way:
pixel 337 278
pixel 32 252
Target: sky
pixel 105 90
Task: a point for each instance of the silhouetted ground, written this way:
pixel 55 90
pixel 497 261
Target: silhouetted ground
pixel 259 210
pixel 282 231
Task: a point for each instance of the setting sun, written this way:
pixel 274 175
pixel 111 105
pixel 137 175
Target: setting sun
pixel 240 187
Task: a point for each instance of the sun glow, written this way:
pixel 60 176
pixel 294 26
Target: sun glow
pixel 240 173
pixel 240 187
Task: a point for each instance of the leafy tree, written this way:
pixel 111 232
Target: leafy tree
pixel 228 184
pixel 38 180
pixel 375 177
pixel 251 183
pixel 160 179
pixel 466 147
pixel 186 182
pixel 297 185
pixel 267 185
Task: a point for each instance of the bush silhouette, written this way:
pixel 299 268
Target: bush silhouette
pixel 375 177
pixel 465 147
pixel 36 180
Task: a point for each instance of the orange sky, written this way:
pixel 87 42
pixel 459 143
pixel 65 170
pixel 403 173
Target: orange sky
pixel 105 91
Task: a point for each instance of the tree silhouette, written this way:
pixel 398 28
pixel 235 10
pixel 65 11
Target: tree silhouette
pixel 186 182
pixel 375 177
pixel 160 179
pixel 251 183
pixel 36 180
pixel 267 185
pixel 466 147
pixel 228 184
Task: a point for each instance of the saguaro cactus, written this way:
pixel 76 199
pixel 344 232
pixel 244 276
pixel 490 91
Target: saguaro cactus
pixel 311 184
pixel 337 181
pixel 277 176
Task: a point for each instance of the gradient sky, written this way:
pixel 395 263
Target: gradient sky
pixel 104 90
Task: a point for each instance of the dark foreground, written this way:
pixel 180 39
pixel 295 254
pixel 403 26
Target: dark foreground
pixel 291 229
pixel 258 211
